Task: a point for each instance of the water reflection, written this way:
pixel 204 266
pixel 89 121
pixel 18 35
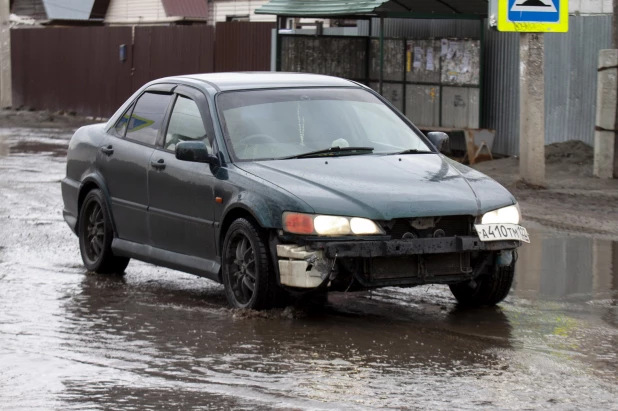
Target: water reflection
pixel 4 147
pixel 571 268
pixel 357 351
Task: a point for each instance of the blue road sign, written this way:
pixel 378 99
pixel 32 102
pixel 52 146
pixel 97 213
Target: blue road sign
pixel 542 11
pixel 533 15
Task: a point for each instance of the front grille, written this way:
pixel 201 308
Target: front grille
pixel 431 265
pixel 451 225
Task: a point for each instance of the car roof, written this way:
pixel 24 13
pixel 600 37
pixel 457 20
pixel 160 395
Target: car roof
pixel 257 80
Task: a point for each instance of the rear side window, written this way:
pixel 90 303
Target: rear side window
pixel 147 117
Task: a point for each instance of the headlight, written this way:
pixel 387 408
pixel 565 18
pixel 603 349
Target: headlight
pixel 298 223
pixel 506 215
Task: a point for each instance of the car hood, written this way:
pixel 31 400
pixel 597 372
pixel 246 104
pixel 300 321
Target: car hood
pixel 383 187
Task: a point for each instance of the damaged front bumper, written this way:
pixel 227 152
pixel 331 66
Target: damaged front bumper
pixel 377 263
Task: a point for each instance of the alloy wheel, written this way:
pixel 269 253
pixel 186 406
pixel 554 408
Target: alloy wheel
pixel 241 266
pixel 94 231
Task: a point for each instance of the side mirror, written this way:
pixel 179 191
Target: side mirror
pixel 195 151
pixel 440 140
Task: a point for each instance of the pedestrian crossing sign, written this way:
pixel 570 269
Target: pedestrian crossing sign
pixel 535 16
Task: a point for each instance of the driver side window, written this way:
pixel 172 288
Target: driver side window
pixel 185 124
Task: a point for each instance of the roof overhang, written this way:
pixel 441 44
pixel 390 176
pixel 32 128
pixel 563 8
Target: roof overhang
pixel 475 9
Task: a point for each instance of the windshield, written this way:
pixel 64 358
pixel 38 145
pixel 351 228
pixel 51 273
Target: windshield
pixel 283 123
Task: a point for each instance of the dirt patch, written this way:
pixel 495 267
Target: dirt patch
pixel 570 152
pixel 572 199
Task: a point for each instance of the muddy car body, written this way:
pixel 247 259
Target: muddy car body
pixel 276 184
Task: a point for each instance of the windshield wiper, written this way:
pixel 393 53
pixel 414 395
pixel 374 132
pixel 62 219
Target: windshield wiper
pixel 411 151
pixel 331 150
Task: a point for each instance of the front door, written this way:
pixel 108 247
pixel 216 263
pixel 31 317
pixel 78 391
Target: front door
pixel 181 193
pixel 124 162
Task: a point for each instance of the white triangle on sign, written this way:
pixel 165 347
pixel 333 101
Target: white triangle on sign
pixel 534 5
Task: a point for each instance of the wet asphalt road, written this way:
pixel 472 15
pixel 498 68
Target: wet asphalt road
pixel 160 339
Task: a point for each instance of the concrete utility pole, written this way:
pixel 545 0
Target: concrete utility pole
pixel 6 90
pixel 605 135
pixel 607 108
pixel 615 46
pixel 532 108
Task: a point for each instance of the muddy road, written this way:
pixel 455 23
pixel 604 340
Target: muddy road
pixel 159 339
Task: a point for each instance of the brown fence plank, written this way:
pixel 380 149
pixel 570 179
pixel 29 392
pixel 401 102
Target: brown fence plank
pixel 79 69
pixel 243 46
pixel 170 51
pixel 73 69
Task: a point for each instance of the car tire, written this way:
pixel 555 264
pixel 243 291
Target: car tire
pixel 96 235
pixel 486 290
pixel 248 276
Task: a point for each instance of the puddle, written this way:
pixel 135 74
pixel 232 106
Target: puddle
pixel 159 339
pixel 567 268
pixel 37 147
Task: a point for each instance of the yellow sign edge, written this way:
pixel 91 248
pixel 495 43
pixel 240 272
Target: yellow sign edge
pixel 562 26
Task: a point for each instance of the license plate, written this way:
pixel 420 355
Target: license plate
pixel 499 232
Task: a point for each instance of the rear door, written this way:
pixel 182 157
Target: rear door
pixel 124 162
pixel 181 193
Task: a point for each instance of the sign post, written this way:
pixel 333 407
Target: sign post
pixel 532 18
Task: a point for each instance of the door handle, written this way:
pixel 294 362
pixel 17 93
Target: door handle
pixel 159 165
pixel 109 150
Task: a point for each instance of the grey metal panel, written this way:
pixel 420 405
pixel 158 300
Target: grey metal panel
pixel 393 60
pixel 571 76
pixel 426 73
pixel 392 92
pixel 423 105
pixel 324 55
pixel 570 82
pixel 501 90
pixel 460 107
pixel 461 65
pixel 417 28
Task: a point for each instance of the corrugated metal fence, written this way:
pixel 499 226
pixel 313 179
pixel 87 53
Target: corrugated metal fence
pixel 501 90
pixel 72 69
pixel 571 61
pixel 170 51
pixel 243 46
pixel 570 82
pixel 79 69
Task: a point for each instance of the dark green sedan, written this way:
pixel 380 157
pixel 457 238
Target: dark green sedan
pixel 280 185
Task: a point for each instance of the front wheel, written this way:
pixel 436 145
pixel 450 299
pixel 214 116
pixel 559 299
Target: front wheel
pixel 486 290
pixel 96 235
pixel 248 277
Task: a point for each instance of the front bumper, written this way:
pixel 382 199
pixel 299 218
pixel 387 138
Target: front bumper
pixel 417 246
pixel 383 262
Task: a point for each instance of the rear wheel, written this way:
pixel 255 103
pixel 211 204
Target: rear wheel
pixel 486 290
pixel 96 235
pixel 248 277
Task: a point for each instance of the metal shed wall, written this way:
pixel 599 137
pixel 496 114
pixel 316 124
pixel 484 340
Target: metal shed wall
pixel 570 82
pixel 571 63
pixel 501 90
pixel 570 74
